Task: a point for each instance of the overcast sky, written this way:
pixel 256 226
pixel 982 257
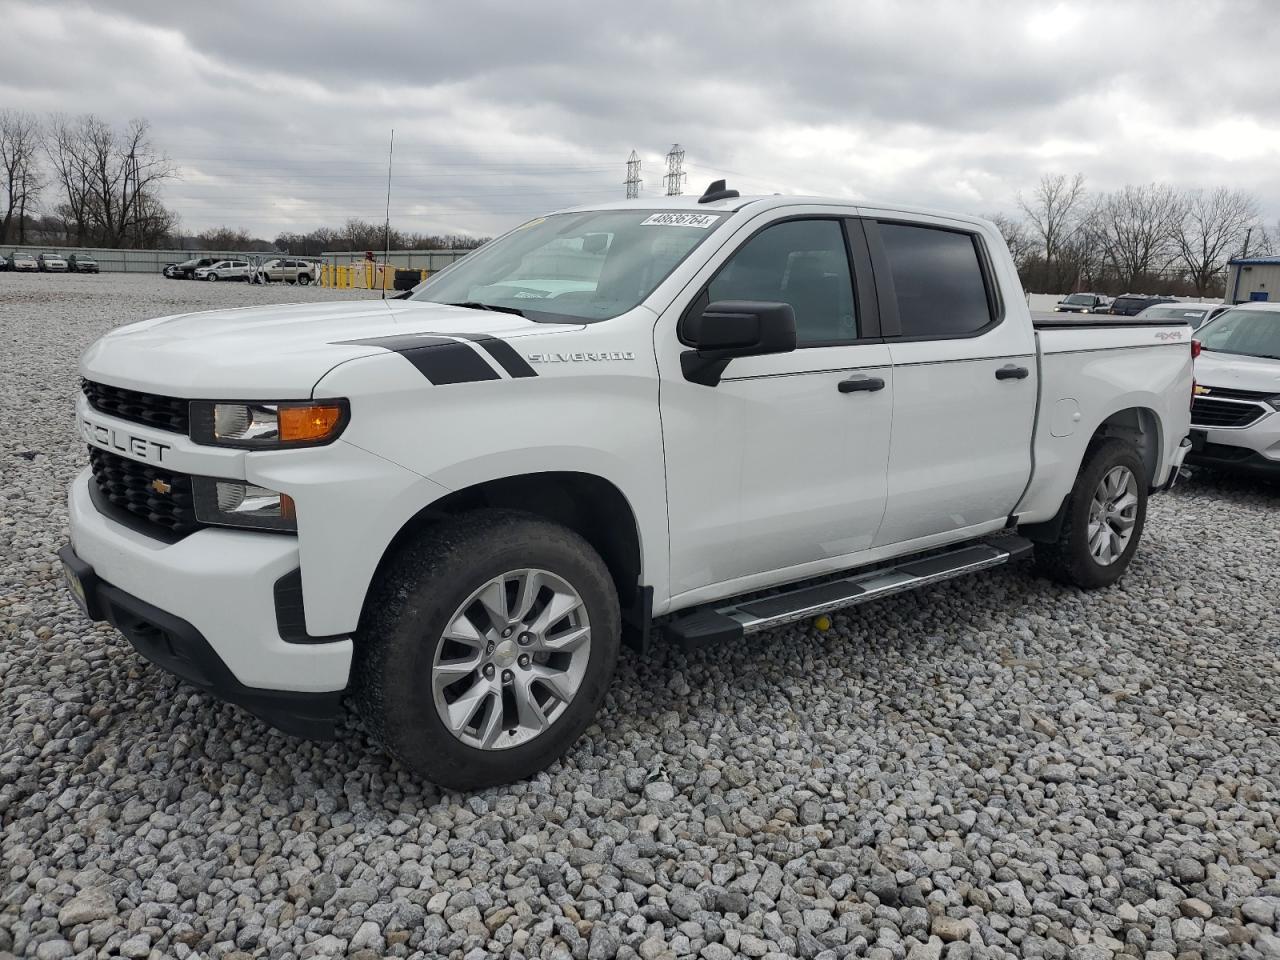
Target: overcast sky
pixel 278 114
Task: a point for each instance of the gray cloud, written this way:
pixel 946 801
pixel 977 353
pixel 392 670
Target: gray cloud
pixel 278 114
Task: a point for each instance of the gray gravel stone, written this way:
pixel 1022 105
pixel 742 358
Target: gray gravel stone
pixel 995 768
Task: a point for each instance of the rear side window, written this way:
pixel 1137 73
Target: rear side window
pixel 800 262
pixel 937 279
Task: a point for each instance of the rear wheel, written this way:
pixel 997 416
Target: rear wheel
pixel 486 648
pixel 1105 514
pixel 304 279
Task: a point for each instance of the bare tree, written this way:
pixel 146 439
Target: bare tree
pixel 1133 227
pixel 1016 237
pixel 20 138
pixel 1209 228
pixel 108 179
pixel 1054 210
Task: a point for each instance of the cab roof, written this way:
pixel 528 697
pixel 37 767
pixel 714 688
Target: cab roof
pixel 762 202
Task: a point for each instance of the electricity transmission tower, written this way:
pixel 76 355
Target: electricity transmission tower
pixel 676 176
pixel 633 180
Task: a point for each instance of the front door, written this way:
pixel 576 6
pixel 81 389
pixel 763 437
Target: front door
pixel 779 470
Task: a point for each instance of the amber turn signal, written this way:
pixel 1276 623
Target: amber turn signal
pixel 308 423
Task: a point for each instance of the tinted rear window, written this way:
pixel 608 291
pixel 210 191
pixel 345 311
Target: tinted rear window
pixel 937 279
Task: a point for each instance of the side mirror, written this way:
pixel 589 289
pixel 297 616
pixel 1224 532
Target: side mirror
pixel 735 328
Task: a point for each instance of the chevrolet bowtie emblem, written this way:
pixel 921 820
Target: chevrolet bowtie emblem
pixel 161 486
pixel 1201 391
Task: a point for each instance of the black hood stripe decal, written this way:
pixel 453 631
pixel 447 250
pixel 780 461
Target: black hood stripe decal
pixel 501 351
pixel 450 358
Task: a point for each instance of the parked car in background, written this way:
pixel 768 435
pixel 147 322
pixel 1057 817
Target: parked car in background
pixel 52 263
pixel 82 263
pixel 1235 416
pixel 23 261
pixel 1082 303
pixel 1132 304
pixel 289 271
pixel 226 270
pixel 187 268
pixel 1192 312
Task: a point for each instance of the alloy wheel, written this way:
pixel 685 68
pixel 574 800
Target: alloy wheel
pixel 513 656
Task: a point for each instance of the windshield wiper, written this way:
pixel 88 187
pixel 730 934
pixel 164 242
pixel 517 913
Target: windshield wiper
pixel 496 308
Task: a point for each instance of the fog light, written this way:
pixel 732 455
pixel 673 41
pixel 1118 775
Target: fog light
pixel 232 503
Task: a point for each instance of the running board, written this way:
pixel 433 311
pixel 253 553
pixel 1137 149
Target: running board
pixel 715 624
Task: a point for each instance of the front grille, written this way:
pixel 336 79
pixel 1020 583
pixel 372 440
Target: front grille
pixel 132 486
pixel 151 409
pixel 1214 412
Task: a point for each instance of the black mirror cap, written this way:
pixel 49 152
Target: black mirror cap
pixel 742 328
pixel 716 191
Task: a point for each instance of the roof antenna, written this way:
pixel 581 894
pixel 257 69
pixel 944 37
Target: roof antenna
pixel 386 228
pixel 716 191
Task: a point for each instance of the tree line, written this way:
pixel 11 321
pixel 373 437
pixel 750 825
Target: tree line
pixel 1148 238
pixel 80 181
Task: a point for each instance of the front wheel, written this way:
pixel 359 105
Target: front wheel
pixel 486 648
pixel 1105 514
pixel 211 277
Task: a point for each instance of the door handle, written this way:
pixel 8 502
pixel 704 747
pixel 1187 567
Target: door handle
pixel 1012 372
pixel 865 384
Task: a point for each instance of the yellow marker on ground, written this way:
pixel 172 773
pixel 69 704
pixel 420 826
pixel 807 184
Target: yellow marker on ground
pixel 822 623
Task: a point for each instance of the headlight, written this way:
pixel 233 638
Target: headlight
pixel 268 426
pixel 233 503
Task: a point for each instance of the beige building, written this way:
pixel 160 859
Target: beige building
pixel 1253 278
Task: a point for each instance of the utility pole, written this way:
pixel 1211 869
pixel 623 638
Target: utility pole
pixel 676 176
pixel 633 180
pixel 1247 235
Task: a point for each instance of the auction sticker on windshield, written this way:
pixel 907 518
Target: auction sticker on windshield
pixel 699 220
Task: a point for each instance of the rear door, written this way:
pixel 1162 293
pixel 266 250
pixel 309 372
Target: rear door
pixel 964 372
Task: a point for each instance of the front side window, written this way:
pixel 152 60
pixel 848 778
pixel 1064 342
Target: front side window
pixel 938 281
pixel 580 267
pixel 800 262
pixel 1244 332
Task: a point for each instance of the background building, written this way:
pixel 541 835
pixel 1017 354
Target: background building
pixel 1253 278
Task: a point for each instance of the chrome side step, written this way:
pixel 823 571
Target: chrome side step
pixel 714 624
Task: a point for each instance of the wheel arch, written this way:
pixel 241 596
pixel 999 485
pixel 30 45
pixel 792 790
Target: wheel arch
pixel 1137 425
pixel 590 505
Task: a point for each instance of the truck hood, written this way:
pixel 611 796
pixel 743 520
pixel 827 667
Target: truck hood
pixel 1235 372
pixel 275 352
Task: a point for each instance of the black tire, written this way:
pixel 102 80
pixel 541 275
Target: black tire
pixel 211 277
pixel 304 279
pixel 1068 559
pixel 405 616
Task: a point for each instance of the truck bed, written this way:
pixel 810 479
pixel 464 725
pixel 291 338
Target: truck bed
pixel 1074 320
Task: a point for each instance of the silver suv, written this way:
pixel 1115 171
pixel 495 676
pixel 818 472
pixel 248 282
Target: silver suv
pixel 288 270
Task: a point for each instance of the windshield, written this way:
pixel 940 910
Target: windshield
pixel 1191 315
pixel 582 267
pixel 1246 333
pixel 1085 298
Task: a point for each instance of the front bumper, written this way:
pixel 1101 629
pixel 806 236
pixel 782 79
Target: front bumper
pixel 175 645
pixel 223 585
pixel 1253 449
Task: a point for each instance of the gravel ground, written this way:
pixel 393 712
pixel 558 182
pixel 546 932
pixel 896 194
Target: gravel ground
pixel 994 768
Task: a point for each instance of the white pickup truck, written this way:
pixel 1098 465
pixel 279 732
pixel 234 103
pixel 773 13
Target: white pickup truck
pixel 713 415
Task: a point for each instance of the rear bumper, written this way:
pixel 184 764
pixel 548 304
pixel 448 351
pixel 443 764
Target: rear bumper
pixel 175 645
